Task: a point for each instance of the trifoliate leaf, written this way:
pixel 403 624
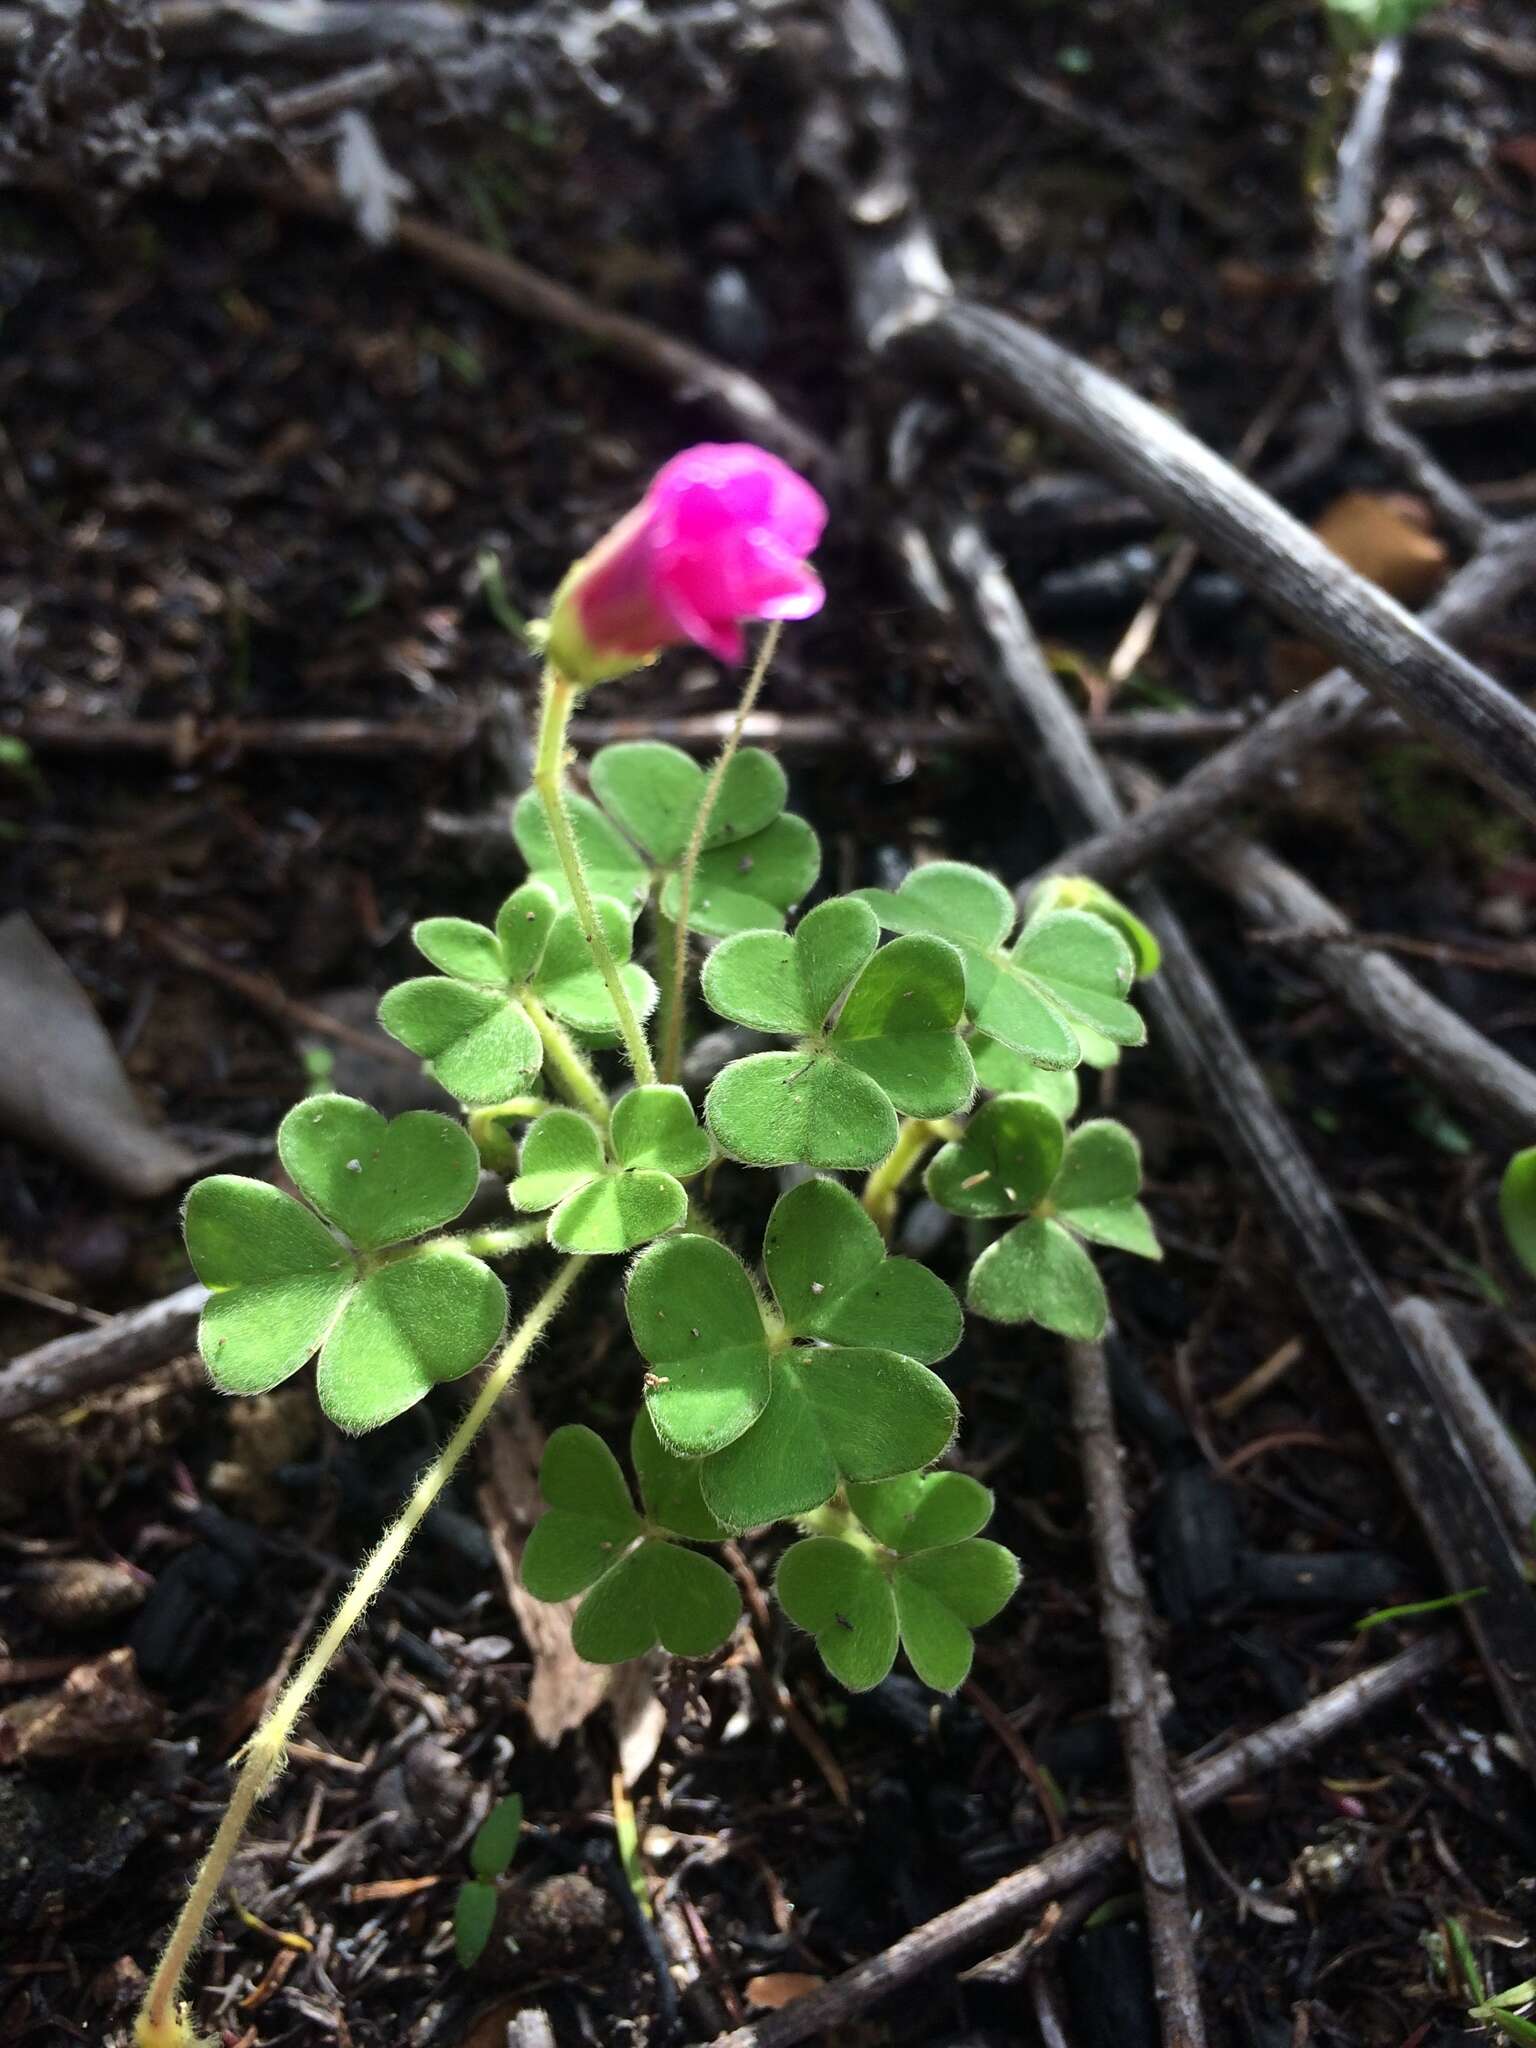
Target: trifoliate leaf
pixel 899 1026
pixel 456 946
pixel 654 791
pixel 775 981
pixel 1065 968
pixel 669 1486
pixel 795 1108
pixel 612 865
pixel 407 1327
pixel 618 1212
pixel 834 1414
pixel 752 884
pixel 572 987
pixel 1081 892
pixel 827 1266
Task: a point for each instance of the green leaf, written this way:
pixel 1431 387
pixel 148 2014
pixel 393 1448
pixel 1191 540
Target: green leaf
pixel 655 1127
pixel 612 864
pixel 379 1182
pixel 408 1326
pixel 1065 968
pixel 834 1414
pixel 1039 1273
pixel 474 1921
pixel 1081 892
pixel 618 1212
pixel 841 1596
pixel 460 948
pixel 898 1026
pixel 773 982
pixel 562 1152
pixel 1002 1071
pixel 523 925
pixel 826 1263
pixel 669 1486
pixel 1086 966
pixel 657 1593
pixel 941 1595
pixel 922 1510
pixel 752 883
pixel 1096 1189
pixel 588 1520
pixel 478 1042
pixel 1517 1206
pixel 278 1279
pixel 789 1108
pixel 1004 1164
pixel 695 1317
pixel 654 792
pixel 573 988
pixel 495 1843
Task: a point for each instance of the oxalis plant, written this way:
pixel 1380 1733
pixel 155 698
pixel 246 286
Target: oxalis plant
pixel 789 1376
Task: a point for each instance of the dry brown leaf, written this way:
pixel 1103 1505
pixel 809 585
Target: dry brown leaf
pixel 101 1709
pixel 772 1993
pixel 565 1691
pixel 1386 538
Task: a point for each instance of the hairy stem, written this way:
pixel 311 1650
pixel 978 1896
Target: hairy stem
pixel 565 1065
pixel 672 1042
pixel 512 1237
pixel 915 1140
pixel 548 780
pixel 162 2022
pixel 672 1003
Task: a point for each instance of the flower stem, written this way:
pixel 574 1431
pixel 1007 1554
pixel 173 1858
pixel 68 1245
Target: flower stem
pixel 915 1140
pixel 162 2021
pixel 565 1065
pixel 548 780
pixel 672 1042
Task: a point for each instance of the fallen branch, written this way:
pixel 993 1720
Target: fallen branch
pixel 1003 1904
pixel 1354 213
pixel 1510 1478
pixel 1470 716
pixel 1443 1484
pixel 1123 1615
pixel 689 373
pixel 72 1367
pixel 1473 395
pixel 1242 770
pixel 1450 1053
pixel 184 742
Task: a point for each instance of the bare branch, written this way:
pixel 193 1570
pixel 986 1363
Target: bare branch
pixel 1123 1614
pixel 1005 1903
pixel 71 1367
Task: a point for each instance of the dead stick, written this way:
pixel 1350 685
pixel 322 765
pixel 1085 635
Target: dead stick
pixel 1242 770
pixel 1439 1480
pixel 1354 214
pixel 1477 722
pixel 688 372
pixel 1003 1904
pixel 1477 395
pixel 1510 1478
pixel 1123 1615
pixel 1442 1046
pixel 72 1367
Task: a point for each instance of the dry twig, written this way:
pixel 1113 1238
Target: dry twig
pixel 71 1367
pixel 1123 1615
pixel 1002 1905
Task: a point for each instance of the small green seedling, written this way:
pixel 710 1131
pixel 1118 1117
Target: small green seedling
pixel 1517 1206
pixel 490 1858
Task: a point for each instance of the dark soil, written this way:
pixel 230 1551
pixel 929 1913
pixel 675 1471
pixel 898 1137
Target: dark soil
pixel 246 472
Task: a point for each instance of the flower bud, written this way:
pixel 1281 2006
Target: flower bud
pixel 720 537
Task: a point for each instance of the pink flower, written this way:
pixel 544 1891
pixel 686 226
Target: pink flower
pixel 721 536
